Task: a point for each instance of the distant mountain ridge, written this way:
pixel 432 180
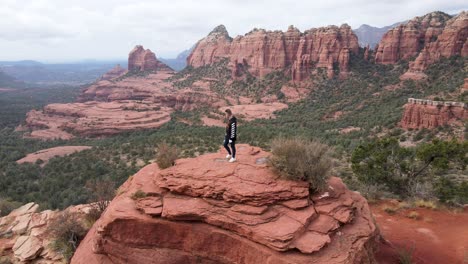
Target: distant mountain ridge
pixel 180 61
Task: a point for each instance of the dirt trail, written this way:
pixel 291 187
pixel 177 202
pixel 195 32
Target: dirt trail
pixel 436 237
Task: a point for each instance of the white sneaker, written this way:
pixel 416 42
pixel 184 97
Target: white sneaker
pixel 232 160
pixel 228 156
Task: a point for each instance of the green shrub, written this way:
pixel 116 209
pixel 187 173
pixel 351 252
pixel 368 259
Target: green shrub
pixel 67 233
pixel 166 155
pixel 7 205
pixel 300 159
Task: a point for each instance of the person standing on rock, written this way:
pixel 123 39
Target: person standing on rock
pixel 231 135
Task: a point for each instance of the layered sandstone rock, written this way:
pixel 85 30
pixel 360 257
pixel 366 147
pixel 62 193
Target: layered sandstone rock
pixel 64 121
pixel 261 52
pixel 407 40
pixel 453 40
pixel 427 39
pixel 115 72
pixel 24 234
pixel 141 59
pixel 46 154
pixel 420 113
pixel 206 210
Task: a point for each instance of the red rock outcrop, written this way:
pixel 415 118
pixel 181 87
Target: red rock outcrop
pixel 407 40
pixel 115 72
pixel 453 40
pixel 261 52
pixel 427 39
pixel 64 121
pixel 205 210
pixel 141 59
pixel 46 154
pixel 420 113
pixel 25 236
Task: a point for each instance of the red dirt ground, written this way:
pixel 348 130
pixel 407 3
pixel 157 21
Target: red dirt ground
pixel 437 237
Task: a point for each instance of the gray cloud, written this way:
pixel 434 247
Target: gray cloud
pixel 56 30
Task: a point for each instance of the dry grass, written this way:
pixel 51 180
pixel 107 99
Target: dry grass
pixel 166 155
pixel 67 232
pixel 300 159
pixel 426 204
pixel 414 215
pixel 389 209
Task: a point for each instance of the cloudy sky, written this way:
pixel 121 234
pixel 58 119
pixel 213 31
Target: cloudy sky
pixel 71 30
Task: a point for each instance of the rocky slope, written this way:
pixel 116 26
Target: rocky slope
pixel 427 39
pixel 115 72
pixel 205 210
pixel 141 59
pixel 260 52
pixel 24 236
pixel 420 113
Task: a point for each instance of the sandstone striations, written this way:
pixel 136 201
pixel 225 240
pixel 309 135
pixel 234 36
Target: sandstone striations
pixel 64 121
pixel 427 39
pixel 430 114
pixel 25 237
pixel 141 59
pixel 205 210
pixel 260 52
pixel 45 155
pixel 408 39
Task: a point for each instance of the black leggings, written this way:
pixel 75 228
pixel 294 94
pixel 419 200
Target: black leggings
pixel 233 146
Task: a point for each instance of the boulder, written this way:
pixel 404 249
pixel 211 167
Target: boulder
pixel 206 210
pixel 27 248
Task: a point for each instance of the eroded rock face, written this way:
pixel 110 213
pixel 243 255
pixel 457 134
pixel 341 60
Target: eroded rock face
pixel 24 234
pixel 95 118
pixel 431 114
pixel 427 39
pixel 407 40
pixel 141 59
pixel 261 52
pixel 206 210
pixel 115 72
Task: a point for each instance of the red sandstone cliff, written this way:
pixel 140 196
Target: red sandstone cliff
pixel 430 114
pixel 141 59
pixel 205 210
pixel 261 52
pixel 427 39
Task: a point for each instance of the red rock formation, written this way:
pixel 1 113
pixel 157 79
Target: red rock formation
pixel 428 38
pixel 205 210
pixel 140 59
pixel 453 40
pixel 464 87
pixel 366 53
pixel 261 51
pixel 25 236
pixel 115 72
pixel 407 40
pixel 430 114
pixel 64 121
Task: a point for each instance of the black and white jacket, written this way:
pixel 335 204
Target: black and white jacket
pixel 231 128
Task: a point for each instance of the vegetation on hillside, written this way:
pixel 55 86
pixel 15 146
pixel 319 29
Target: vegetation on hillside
pixel 370 99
